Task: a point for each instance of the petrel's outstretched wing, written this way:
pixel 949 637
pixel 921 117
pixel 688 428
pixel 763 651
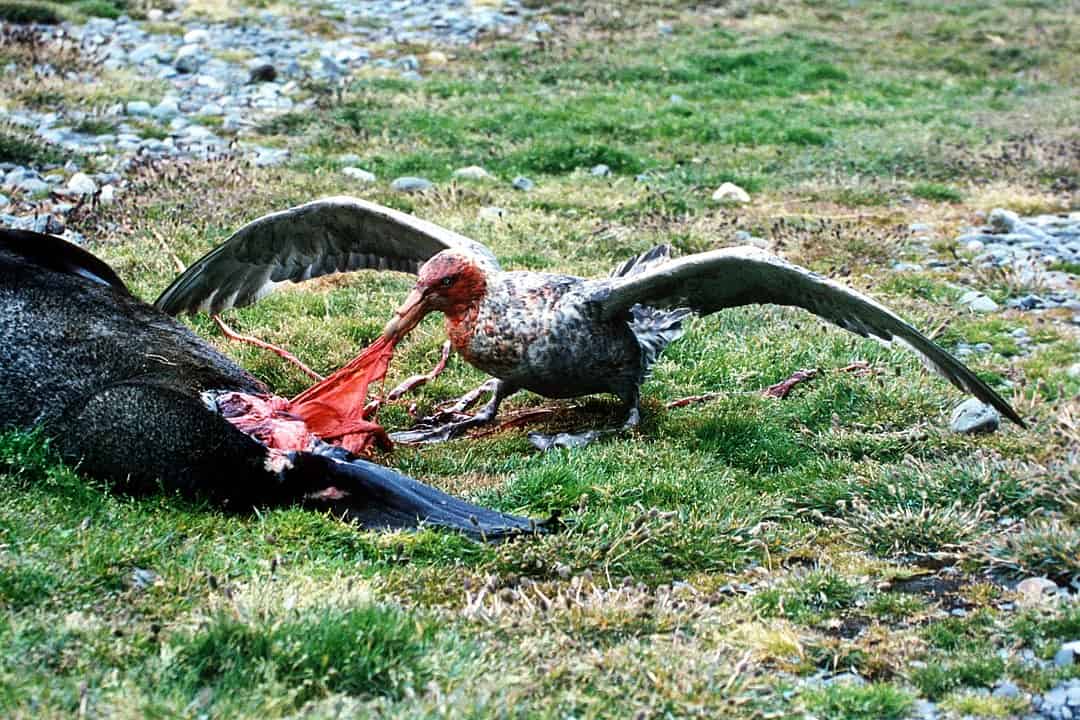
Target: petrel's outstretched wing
pixel 711 281
pixel 337 234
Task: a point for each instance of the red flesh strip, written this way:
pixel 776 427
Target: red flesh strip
pixel 332 410
pixel 280 351
pixel 335 409
pixel 781 389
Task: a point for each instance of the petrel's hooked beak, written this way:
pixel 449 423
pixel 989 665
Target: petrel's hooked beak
pixel 408 316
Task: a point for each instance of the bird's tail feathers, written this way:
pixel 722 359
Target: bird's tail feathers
pixel 656 329
pixel 645 261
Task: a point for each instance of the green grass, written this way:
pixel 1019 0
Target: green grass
pixel 715 558
pixel 17 147
pixel 846 702
pixel 363 650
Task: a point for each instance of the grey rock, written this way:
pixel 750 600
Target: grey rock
pixel 473 172
pixel 194 37
pixel 411 76
pixel 730 193
pixel 33 185
pixel 523 183
pixel 1006 690
pixel 167 109
pixel 1065 657
pixel 1029 302
pixel 358 174
pixel 269 157
pixel 332 67
pixel 138 108
pixel 4 201
pixel 411 184
pixel 145 53
pixel 600 170
pixel 973 416
pixel 263 73
pixel 37 223
pixel 925 710
pixel 81 184
pixel 978 302
pixel 189 58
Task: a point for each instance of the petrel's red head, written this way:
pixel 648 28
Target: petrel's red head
pixel 450 282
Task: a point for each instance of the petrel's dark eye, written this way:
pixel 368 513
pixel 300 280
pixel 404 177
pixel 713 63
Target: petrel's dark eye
pixel 448 281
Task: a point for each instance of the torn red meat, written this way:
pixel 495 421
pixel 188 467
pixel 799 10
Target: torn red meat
pixel 334 410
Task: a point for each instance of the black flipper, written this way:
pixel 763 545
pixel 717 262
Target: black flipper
pixel 380 498
pixel 57 254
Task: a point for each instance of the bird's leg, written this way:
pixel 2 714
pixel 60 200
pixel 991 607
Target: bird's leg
pixel 281 352
pixel 631 401
pixel 417 380
pixel 429 431
pixel 469 399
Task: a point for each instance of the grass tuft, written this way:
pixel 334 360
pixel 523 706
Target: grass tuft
pixel 368 650
pixel 879 701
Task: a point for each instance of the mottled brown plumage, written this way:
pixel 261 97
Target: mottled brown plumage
pixel 556 335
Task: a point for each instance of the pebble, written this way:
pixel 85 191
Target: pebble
pixel 978 302
pixel 925 710
pixel 730 192
pixel 973 416
pixel 1067 654
pixel 523 183
pixel 1062 701
pixel 107 196
pixel 1006 690
pixel 33 186
pixel 4 201
pixel 189 59
pixel 410 184
pixel 436 58
pixel 269 157
pixel 81 184
pixel 262 73
pixel 473 172
pixel 167 109
pixel 492 213
pixel 138 108
pixel 1036 591
pixel 272 58
pixel 600 170
pixel 358 174
pixel 1026 246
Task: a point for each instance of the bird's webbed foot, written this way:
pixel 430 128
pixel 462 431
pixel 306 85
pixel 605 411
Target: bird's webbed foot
pixel 544 442
pixel 452 421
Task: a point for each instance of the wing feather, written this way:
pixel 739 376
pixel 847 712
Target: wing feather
pixel 711 281
pixel 338 234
